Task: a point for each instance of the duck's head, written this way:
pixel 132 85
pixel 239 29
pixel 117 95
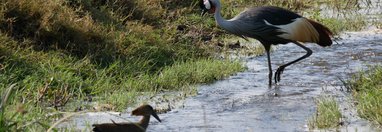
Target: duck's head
pixel 145 110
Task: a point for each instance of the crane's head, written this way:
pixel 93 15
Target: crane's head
pixel 207 6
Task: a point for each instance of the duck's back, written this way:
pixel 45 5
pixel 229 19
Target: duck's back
pixel 111 127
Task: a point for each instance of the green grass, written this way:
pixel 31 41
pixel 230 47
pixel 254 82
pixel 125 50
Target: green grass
pixel 328 114
pixel 366 89
pixel 356 22
pixel 62 53
pixel 6 121
pixel 176 77
pixel 52 79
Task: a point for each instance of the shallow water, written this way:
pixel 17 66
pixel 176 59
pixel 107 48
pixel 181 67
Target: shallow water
pixel 244 102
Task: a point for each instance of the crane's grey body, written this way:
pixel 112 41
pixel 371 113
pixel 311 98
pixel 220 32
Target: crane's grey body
pixel 271 26
pixel 252 23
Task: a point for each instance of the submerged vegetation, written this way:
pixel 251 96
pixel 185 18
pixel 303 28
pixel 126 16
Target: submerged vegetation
pixel 328 114
pixel 61 52
pixel 366 88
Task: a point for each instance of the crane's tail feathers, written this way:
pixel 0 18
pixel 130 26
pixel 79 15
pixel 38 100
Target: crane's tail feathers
pixel 324 34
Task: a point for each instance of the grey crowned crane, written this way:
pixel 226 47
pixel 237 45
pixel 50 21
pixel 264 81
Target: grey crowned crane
pixel 145 110
pixel 271 26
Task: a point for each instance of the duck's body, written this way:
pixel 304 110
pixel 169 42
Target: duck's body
pixel 141 126
pixel 110 127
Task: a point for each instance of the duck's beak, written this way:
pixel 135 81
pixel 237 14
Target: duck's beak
pixel 156 116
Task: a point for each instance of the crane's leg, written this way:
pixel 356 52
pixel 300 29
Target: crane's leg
pixel 267 49
pixel 280 70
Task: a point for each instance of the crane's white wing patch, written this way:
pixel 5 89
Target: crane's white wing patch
pixel 298 30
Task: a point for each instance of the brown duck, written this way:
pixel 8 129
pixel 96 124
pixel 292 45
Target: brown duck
pixel 144 110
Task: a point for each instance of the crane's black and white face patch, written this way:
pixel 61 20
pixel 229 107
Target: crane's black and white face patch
pixel 206 6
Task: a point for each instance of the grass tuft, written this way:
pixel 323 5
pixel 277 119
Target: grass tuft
pixel 194 72
pixel 328 115
pixel 366 89
pixel 8 123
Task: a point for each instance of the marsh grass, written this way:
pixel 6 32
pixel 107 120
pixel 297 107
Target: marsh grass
pixel 176 77
pixel 327 115
pixel 60 52
pixel 356 22
pixel 366 88
pixel 8 122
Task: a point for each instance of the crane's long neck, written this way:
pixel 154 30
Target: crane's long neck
pixel 225 24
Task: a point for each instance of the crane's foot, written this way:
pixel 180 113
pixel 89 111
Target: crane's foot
pixel 278 73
